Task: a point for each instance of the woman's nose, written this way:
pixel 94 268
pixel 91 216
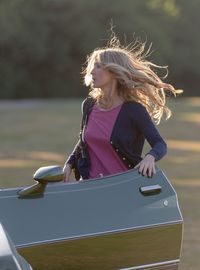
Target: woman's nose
pixel 93 71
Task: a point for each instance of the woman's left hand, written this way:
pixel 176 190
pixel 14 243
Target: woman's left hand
pixel 147 166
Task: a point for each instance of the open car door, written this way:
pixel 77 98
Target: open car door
pixel 123 221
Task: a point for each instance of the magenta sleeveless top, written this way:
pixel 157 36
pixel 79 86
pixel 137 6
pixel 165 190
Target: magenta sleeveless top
pixel 104 161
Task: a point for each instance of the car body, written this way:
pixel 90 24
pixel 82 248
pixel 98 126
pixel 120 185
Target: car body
pixel 122 221
pixel 9 257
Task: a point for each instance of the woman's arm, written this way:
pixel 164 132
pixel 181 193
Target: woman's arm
pixel 70 163
pixel 67 172
pixel 151 134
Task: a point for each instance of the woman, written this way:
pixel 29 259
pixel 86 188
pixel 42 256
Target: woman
pixel 127 97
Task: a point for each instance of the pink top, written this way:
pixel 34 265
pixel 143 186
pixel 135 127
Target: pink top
pixel 104 160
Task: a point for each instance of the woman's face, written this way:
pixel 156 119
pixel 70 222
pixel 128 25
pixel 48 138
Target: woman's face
pixel 101 78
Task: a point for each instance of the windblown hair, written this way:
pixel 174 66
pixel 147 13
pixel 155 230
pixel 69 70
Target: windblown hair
pixel 136 78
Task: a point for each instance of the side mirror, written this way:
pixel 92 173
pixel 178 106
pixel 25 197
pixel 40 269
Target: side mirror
pixel 42 176
pixel 49 174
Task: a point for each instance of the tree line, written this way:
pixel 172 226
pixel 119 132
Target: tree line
pixel 43 44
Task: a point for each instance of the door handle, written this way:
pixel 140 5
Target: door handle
pixel 150 190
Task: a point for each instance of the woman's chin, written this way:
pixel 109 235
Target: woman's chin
pixel 95 85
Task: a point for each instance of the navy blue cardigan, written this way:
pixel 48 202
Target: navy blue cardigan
pixel 133 125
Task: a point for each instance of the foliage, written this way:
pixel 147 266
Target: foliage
pixel 43 44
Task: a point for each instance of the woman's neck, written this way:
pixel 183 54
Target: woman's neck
pixel 110 98
pixel 116 101
pixel 109 102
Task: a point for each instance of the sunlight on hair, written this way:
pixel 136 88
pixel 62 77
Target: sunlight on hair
pixel 136 77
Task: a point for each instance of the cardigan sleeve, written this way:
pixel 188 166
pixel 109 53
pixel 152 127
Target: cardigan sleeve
pixel 72 157
pixel 146 126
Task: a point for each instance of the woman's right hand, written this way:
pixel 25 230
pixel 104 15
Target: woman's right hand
pixel 67 172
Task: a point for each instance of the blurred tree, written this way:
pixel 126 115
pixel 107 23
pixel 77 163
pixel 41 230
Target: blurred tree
pixel 43 44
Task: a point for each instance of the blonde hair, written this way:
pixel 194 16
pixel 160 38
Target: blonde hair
pixel 136 79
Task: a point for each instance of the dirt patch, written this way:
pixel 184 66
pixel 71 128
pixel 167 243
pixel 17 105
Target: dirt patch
pixel 20 104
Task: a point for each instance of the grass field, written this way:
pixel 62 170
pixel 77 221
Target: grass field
pixel 43 132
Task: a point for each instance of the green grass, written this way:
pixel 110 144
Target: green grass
pixel 34 134
pixel 43 132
